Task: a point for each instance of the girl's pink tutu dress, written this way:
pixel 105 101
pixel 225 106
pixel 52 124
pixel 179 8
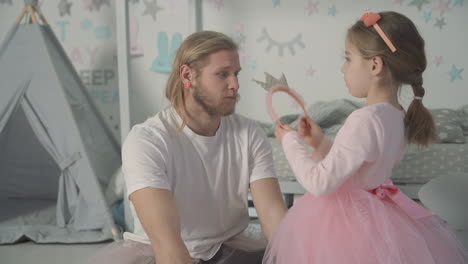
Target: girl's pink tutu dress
pixel 352 213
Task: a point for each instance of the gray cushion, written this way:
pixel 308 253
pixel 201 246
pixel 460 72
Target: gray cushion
pixel 463 113
pixel 448 125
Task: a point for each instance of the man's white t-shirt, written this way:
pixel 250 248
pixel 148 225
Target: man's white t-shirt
pixel 209 177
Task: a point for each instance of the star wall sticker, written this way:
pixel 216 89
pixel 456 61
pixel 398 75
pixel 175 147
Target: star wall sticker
pixel 152 8
pixel 455 73
pixel 252 64
pixel 271 81
pixel 427 16
pixel 442 7
pixel 438 60
pixel 218 4
pixel 88 5
pixel 239 28
pixel 99 3
pixel 440 22
pixel 86 24
pixel 311 71
pixel 6 2
pixel 458 2
pixel 64 7
pixel 332 11
pixel 312 7
pixel 242 56
pixel 240 38
pixel 418 3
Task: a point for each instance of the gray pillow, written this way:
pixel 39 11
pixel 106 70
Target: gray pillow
pixel 448 125
pixel 463 112
pixel 288 119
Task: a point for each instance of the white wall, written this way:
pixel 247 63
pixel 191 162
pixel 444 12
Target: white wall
pixel 314 71
pixel 88 36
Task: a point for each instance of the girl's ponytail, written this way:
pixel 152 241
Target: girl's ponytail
pixel 419 124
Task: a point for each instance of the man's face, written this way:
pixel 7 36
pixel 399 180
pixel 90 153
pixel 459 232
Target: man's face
pixel 215 88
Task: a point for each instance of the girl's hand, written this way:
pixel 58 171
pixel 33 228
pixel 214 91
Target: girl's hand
pixel 281 130
pixel 310 132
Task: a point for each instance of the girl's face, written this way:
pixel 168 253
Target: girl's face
pixel 357 71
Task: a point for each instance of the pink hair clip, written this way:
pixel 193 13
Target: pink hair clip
pixel 370 19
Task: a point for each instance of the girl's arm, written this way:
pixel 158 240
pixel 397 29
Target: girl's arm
pixel 355 145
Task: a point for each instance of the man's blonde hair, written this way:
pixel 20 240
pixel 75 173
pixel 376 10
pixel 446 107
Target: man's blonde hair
pixel 193 52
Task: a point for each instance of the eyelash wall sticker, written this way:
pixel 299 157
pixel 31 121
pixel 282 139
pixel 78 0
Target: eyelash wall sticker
pixel 297 41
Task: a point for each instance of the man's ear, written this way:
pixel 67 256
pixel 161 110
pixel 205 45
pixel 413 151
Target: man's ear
pixel 186 74
pixel 377 65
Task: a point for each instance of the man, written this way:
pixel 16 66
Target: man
pixel 188 169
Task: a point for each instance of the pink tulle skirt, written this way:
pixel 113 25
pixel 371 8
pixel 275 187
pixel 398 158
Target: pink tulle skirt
pixel 357 227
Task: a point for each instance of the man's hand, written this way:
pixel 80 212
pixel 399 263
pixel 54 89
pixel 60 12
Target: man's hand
pixel 269 204
pixel 158 214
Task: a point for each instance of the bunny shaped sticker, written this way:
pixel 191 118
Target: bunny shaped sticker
pixel 163 62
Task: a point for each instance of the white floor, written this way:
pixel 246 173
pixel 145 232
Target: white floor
pixel 30 253
pixel 26 253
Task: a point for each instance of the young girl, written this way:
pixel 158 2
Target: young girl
pixel 352 213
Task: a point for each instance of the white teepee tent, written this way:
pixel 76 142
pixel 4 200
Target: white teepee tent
pixel 56 154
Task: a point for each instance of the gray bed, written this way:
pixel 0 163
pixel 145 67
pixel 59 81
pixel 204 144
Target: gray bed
pixel 417 167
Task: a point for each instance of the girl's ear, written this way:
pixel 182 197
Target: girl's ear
pixel 377 65
pixel 186 74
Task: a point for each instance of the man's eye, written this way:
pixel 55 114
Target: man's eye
pixel 223 74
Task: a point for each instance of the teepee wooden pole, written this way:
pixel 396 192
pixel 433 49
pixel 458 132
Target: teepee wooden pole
pixel 21 16
pixel 30 10
pixel 32 14
pixel 41 16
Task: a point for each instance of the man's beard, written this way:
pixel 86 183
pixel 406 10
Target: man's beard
pixel 212 109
